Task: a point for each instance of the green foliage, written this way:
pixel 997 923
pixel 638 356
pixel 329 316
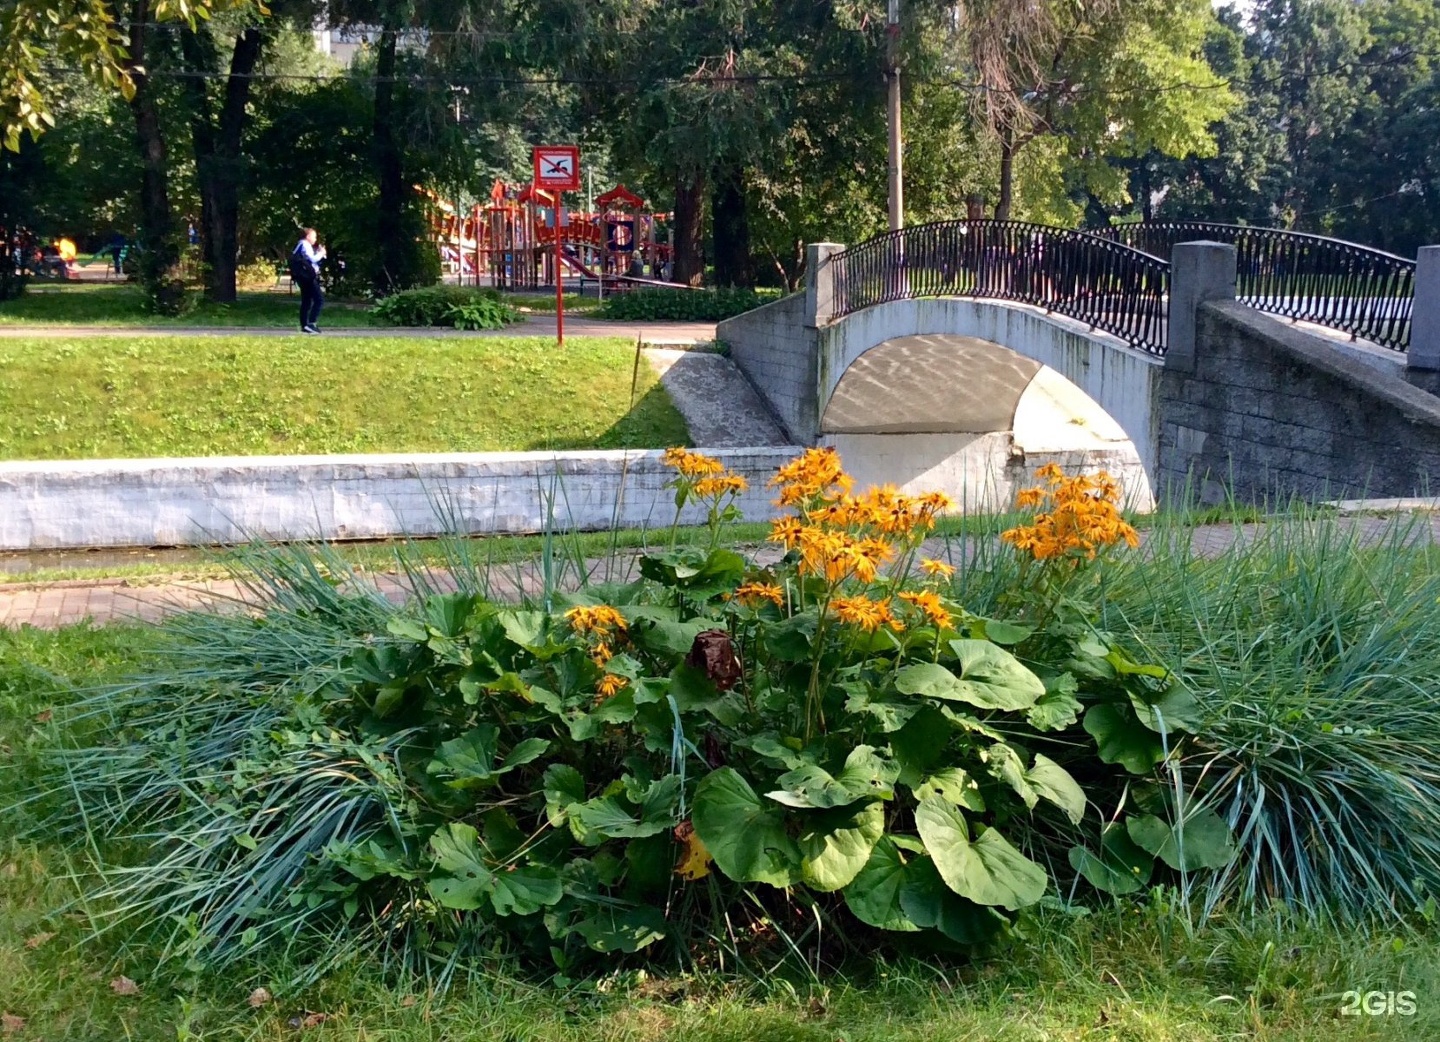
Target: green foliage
pixel 640 767
pixel 445 306
pixel 678 305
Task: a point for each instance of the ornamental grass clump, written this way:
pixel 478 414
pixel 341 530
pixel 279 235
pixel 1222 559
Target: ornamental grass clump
pixel 723 759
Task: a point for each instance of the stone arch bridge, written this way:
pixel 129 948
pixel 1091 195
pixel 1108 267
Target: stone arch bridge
pixel 1212 359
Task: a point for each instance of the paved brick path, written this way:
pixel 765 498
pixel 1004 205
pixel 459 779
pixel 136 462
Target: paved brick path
pixel 51 605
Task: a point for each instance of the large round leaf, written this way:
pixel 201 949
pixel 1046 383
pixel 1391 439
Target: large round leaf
pixel 930 904
pixel 836 844
pixel 1121 867
pixel 989 871
pixel 745 835
pixel 1203 841
pixel 1123 739
pixel 990 678
pixel 874 895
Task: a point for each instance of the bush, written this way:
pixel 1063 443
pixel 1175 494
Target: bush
pixel 682 305
pixel 445 306
pixel 257 274
pixel 717 751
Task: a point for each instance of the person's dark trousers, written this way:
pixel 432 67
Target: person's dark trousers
pixel 311 300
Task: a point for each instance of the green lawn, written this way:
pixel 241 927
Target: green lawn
pixel 120 304
pixel 1132 972
pixel 69 397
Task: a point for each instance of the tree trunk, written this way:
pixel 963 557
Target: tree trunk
pixel 689 224
pixel 199 53
pixel 157 233
pixel 1007 176
pixel 391 247
pixel 731 228
pixel 229 165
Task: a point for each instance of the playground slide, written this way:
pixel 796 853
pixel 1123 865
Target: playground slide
pixel 573 261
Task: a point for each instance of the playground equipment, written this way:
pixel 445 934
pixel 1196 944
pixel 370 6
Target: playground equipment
pixel 509 243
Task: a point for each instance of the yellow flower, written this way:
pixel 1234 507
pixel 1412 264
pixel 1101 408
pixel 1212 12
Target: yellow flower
pixel 693 464
pixel 869 615
pixel 732 484
pixel 608 686
pixel 928 602
pixel 596 618
pixel 751 594
pixel 930 566
pixel 1081 519
pixel 786 530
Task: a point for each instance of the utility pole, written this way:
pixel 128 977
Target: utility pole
pixel 892 72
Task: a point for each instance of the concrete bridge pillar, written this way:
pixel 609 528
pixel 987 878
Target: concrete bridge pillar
pixel 820 283
pixel 1422 360
pixel 1199 272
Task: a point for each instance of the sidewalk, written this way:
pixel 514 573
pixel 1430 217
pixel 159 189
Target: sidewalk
pixel 102 601
pixel 535 325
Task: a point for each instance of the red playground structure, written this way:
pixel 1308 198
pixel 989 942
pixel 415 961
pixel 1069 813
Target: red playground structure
pixel 509 243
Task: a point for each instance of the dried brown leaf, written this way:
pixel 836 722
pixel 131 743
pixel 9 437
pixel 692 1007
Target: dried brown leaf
pixel 123 985
pixel 11 1024
pixel 258 998
pixel 31 943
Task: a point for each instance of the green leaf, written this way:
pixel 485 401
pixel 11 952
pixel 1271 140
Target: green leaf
pixel 790 640
pixel 930 904
pixel 563 787
pixel 610 815
pixel 988 871
pixel 865 776
pixel 470 883
pixel 1055 784
pixel 1174 709
pixel 1002 632
pixel 1204 840
pixel 1122 739
pixel 1120 868
pixel 918 746
pixel 890 715
pixel 613 930
pixel 746 837
pixel 1058 708
pixel 470 759
pixel 952 785
pixel 408 629
pixel 1004 764
pixel 991 678
pixel 836 845
pixel 873 896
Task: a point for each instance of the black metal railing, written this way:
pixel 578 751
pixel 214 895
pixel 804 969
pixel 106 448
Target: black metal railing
pixel 1364 292
pixel 1093 279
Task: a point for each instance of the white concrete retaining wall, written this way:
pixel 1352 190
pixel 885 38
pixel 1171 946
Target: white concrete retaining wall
pixel 187 502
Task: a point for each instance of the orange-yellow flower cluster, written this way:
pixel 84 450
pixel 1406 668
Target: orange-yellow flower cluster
pixel 751 594
pixel 868 614
pixel 693 465
pixel 1078 518
pixel 932 567
pixel 609 685
pixel 813 473
pixel 725 484
pixel 600 619
pixel 928 603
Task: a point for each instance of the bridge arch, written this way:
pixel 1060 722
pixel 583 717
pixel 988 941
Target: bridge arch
pixel 950 366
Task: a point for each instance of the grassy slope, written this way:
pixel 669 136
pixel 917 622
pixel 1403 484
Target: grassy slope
pixel 73 398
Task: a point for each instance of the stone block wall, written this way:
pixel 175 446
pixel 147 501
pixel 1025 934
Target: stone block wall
pixel 186 502
pixel 775 347
pixel 1268 409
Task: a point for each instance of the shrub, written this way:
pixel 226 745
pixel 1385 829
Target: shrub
pixel 445 306
pixel 681 305
pixel 257 274
pixel 718 747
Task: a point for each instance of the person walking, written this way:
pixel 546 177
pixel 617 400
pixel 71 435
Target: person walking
pixel 305 262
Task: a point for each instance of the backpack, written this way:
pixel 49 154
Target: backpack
pixel 300 268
